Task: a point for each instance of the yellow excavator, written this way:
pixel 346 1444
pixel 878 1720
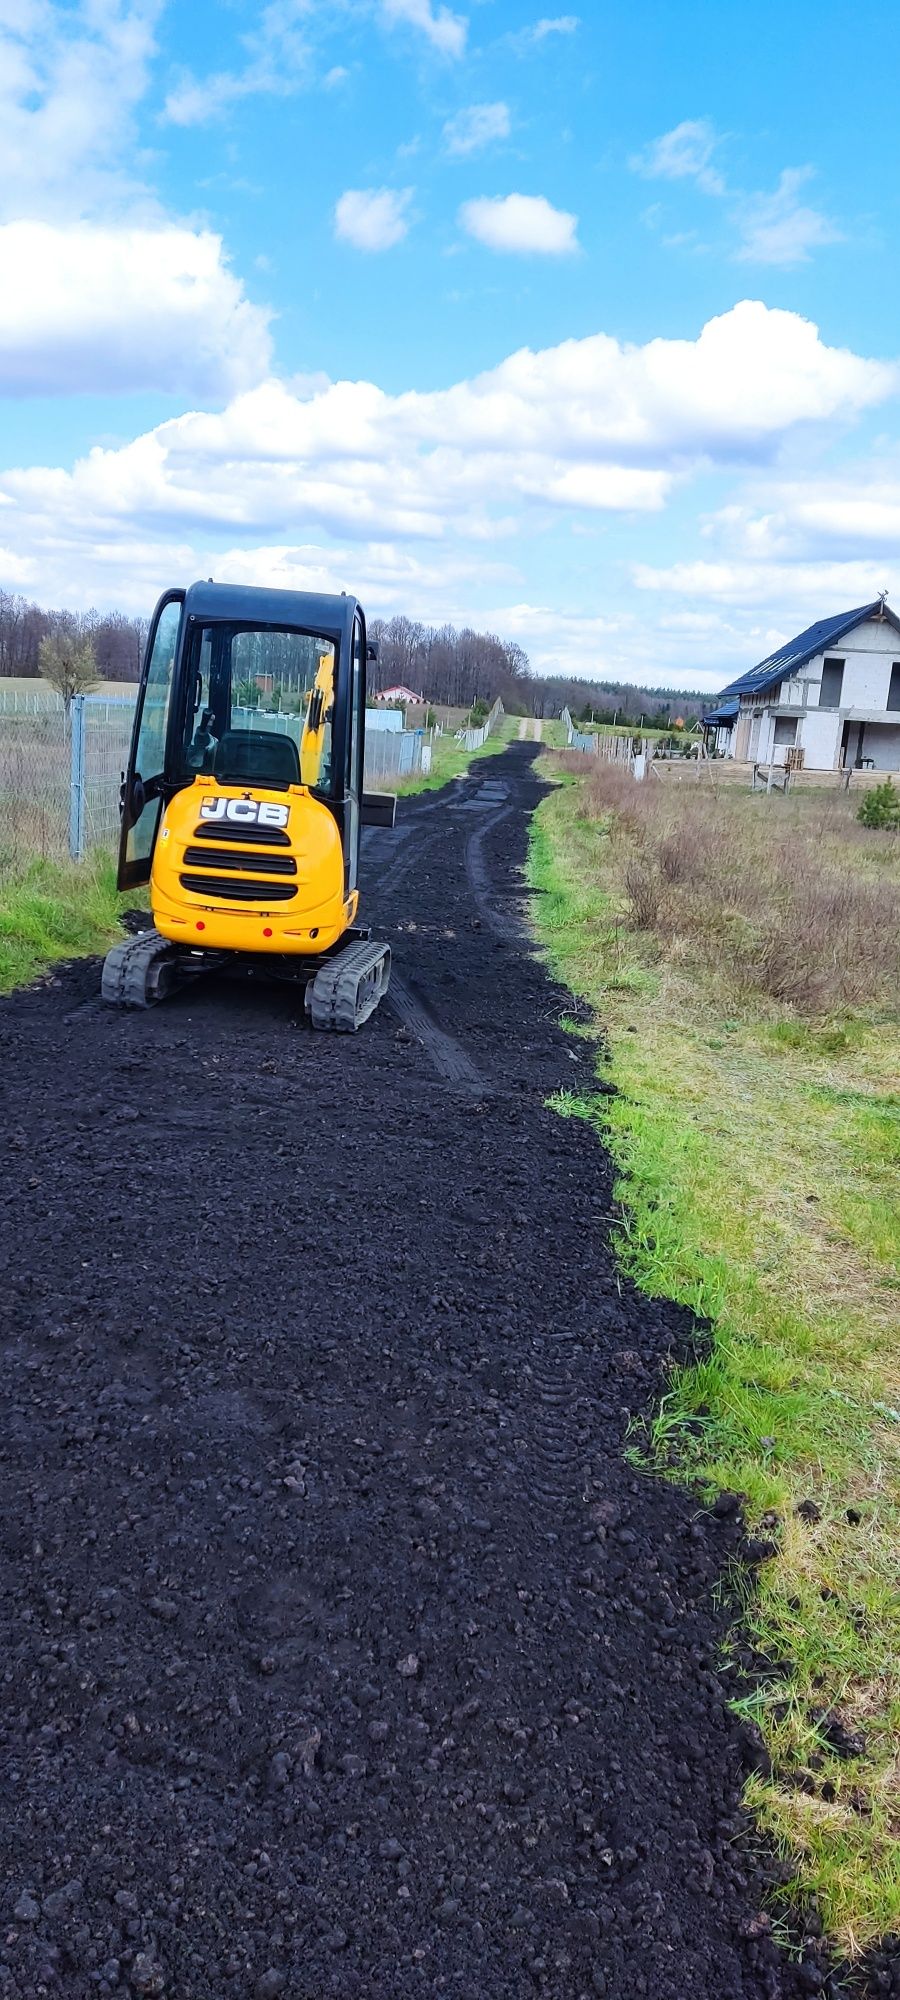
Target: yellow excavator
pixel 245 820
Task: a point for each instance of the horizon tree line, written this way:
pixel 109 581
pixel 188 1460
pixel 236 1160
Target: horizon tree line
pixel 451 667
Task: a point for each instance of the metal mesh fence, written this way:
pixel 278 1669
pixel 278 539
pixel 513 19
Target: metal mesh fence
pixel 475 739
pixel 60 774
pixel 107 740
pixel 34 781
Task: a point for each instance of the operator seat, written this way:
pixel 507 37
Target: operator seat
pixel 256 757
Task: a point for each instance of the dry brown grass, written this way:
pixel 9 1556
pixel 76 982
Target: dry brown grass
pixel 786 898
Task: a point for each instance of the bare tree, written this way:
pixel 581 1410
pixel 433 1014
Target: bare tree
pixel 68 662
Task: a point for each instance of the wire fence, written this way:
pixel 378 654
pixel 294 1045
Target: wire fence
pixel 34 783
pixel 616 749
pixel 61 771
pixel 474 739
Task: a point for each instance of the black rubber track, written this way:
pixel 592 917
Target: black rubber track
pixel 343 1653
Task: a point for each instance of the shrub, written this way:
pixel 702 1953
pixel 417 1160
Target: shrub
pixel 644 890
pixel 881 806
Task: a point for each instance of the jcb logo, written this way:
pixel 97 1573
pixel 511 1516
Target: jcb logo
pixel 245 812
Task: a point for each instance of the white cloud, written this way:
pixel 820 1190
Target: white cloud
pixel 798 591
pixel 682 154
pixel 16 571
pixel 785 551
pixel 70 79
pixel 131 299
pixel 779 228
pixel 372 218
pixel 851 516
pixel 562 24
pixel 534 36
pixel 196 101
pixel 383 573
pixel 522 224
pixel 106 309
pixel 278 63
pixel 478 126
pixel 626 645
pixel 445 30
pixel 577 433
pixel 279 55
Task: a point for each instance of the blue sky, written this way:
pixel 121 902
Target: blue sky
pixel 581 325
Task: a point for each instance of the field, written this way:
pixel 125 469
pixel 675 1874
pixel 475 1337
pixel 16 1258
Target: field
pixel 34 685
pixel 738 958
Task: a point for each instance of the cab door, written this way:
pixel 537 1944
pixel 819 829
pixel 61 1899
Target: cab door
pixel 142 791
pixel 355 742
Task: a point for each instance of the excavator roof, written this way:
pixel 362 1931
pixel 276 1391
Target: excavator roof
pixel 247 604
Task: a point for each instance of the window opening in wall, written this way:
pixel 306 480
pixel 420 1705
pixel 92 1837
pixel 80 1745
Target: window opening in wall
pixel 832 684
pixel 893 700
pixel 785 729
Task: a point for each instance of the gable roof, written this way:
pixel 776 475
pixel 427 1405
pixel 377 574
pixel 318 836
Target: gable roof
pixel 827 632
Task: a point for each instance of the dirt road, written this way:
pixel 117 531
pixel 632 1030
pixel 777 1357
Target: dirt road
pixel 343 1654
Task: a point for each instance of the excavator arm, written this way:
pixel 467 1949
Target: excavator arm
pixel 318 715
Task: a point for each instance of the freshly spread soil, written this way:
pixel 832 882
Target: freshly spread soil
pixel 344 1654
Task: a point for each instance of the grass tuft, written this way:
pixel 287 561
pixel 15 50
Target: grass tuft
pixel 51 910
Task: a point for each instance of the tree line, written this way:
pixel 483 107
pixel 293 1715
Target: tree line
pixel 451 667
pixel 457 668
pixel 115 642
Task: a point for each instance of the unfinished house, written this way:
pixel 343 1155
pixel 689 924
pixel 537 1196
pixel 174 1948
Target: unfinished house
pixel 832 695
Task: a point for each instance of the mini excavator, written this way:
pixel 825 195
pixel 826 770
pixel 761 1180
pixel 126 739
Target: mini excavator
pixel 246 823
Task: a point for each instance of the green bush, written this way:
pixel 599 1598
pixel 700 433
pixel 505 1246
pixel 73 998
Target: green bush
pixel 881 806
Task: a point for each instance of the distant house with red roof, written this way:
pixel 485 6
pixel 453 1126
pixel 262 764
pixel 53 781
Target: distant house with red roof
pixel 396 694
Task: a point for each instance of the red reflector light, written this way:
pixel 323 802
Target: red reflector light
pixel 200 924
pixel 267 932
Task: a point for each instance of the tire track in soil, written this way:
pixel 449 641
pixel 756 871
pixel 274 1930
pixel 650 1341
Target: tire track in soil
pixel 344 1655
pixel 449 1059
pixel 480 879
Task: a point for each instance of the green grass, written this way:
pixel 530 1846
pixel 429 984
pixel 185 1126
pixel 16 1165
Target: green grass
pixel 449 760
pixel 51 910
pixel 758 1184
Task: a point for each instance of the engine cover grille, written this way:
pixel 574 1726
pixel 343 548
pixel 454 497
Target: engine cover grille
pixel 216 888
pixel 261 836
pixel 265 864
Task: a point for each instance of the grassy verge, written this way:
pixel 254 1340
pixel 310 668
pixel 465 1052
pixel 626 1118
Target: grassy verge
pixel 449 760
pixel 758 1147
pixel 51 910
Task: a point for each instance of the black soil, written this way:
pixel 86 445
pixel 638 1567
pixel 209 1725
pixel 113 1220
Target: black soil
pixel 343 1652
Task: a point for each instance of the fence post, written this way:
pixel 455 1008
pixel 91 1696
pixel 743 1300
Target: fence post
pixel 76 778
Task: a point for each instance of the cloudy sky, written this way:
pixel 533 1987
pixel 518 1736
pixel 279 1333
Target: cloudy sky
pixel 580 326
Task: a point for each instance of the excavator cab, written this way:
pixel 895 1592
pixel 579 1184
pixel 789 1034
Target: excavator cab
pixel 243 800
